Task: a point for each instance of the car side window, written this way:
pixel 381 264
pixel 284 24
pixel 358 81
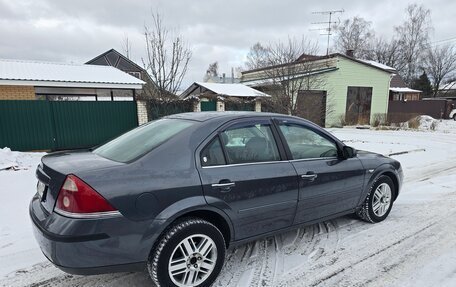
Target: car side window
pixel 212 154
pixel 252 143
pixel 305 143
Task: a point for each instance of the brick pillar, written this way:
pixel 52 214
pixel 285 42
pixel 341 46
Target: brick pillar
pixel 142 112
pixel 197 106
pixel 257 105
pixel 220 105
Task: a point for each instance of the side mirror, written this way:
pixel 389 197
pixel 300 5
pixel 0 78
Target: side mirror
pixel 348 152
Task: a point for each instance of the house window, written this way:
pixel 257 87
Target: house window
pixel 397 97
pixel 412 97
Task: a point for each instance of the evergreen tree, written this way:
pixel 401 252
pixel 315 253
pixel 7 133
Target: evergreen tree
pixel 423 84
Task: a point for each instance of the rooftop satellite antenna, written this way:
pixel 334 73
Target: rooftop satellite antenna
pixel 330 22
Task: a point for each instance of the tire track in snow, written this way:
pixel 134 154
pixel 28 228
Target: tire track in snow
pixel 325 274
pixel 351 265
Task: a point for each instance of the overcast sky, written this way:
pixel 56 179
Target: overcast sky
pixel 78 30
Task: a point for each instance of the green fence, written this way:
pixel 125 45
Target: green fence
pixel 239 106
pixel 53 125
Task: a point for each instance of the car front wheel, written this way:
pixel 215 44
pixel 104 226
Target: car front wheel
pixel 190 253
pixel 379 201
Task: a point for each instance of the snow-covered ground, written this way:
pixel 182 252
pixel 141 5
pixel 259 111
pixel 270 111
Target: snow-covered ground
pixel 415 246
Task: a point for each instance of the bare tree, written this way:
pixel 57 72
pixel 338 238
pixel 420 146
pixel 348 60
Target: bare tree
pixel 386 52
pixel 126 46
pixel 354 34
pixel 167 58
pixel 289 76
pixel 413 39
pixel 257 57
pixel 440 64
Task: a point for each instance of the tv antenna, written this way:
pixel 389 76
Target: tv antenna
pixel 329 23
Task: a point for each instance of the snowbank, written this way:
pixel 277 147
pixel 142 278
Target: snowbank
pixel 427 123
pixel 422 123
pixel 18 160
pixel 18 247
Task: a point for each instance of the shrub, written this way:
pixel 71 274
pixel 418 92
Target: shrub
pixel 160 108
pixel 342 120
pixel 379 119
pixel 414 123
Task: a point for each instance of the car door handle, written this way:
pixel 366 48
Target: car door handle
pixel 223 185
pixel 310 176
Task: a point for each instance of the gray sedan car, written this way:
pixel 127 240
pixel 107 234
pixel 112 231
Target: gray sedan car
pixel 172 195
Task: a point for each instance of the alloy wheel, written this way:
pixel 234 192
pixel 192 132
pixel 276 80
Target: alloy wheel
pixel 382 199
pixel 193 260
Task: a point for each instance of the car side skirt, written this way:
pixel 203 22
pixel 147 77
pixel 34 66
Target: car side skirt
pixel 292 227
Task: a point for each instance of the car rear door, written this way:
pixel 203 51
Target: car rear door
pixel 328 184
pixel 244 172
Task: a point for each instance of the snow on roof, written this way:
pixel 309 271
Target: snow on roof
pixel 18 72
pixel 378 65
pixel 269 81
pixel 230 90
pixel 404 90
pixel 448 86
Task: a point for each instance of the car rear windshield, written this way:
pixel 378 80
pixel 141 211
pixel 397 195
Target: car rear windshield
pixel 141 140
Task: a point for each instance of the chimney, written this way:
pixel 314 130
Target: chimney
pixel 349 53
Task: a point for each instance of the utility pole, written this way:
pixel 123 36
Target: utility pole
pixel 329 23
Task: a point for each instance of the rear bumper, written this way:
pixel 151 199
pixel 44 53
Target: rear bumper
pixel 93 246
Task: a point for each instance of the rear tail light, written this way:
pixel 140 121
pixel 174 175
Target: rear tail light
pixel 78 197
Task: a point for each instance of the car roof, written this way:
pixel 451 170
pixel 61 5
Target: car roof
pixel 207 116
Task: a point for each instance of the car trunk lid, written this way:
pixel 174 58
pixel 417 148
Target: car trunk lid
pixel 54 168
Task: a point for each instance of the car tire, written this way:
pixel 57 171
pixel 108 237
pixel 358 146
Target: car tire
pixel 206 247
pixel 454 117
pixel 379 201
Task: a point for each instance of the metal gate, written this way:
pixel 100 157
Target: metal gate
pixel 311 105
pixel 207 106
pixel 57 125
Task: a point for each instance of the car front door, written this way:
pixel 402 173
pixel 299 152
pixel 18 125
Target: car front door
pixel 244 172
pixel 328 184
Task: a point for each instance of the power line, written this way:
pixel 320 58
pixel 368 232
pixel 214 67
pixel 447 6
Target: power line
pixel 329 23
pixel 444 40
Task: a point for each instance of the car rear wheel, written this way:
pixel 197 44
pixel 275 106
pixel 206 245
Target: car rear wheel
pixel 190 253
pixel 379 201
pixel 454 117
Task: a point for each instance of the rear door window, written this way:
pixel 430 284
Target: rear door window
pixel 248 144
pixel 212 154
